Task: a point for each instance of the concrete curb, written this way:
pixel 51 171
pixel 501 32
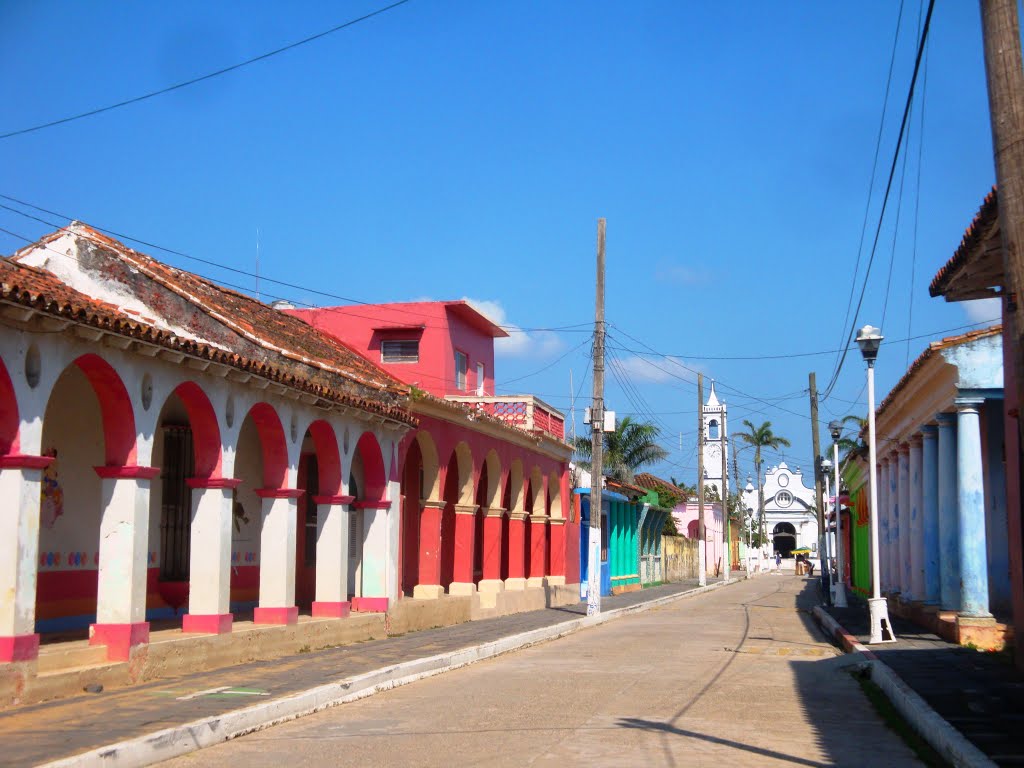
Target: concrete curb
pixel 943 737
pixel 182 739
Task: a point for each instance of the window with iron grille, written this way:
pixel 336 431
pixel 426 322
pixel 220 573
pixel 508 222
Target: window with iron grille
pixel 400 351
pixel 461 368
pixel 175 503
pixel 604 537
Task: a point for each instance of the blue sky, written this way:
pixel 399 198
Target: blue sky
pixel 457 149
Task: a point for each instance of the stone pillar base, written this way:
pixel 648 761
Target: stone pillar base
pixel 491 586
pixel 515 584
pixel 982 632
pixel 209 624
pixel 331 610
pixel 119 638
pixel 556 581
pixel 537 582
pixel 427 591
pixel 287 615
pixel 19 648
pixel 462 588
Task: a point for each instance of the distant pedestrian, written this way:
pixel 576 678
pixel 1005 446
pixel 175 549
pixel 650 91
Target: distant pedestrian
pixel 778 562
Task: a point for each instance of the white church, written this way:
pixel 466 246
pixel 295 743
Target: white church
pixel 790 519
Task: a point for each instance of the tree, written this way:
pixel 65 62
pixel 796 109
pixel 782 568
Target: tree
pixel 761 437
pixel 631 446
pixel 849 445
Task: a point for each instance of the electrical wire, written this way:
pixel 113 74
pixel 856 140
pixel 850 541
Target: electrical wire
pixel 202 78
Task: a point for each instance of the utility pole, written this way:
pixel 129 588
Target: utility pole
pixel 702 568
pixel 596 439
pixel 818 499
pixel 727 572
pixel 1004 73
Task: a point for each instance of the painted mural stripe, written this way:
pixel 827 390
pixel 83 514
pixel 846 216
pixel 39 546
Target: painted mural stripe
pixel 189 737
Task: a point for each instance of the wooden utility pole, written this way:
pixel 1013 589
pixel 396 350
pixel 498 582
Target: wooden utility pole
pixel 702 557
pixel 818 497
pixel 596 439
pixel 1004 72
pixel 727 572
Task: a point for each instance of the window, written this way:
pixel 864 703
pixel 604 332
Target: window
pixel 176 503
pixel 713 429
pixel 461 368
pixel 400 351
pixel 604 537
pixel 480 379
pixel 783 498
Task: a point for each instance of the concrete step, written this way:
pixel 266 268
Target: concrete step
pixel 68 656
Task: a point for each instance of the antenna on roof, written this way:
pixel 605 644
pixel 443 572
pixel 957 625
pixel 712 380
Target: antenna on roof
pixel 257 263
pixel 572 407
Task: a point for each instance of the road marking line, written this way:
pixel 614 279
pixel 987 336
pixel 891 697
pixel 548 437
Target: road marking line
pixel 197 694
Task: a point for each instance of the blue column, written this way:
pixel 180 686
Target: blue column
pixel 949 539
pixel 893 501
pixel 884 528
pixel 995 490
pixel 906 585
pixel 916 520
pixel 971 509
pixel 930 509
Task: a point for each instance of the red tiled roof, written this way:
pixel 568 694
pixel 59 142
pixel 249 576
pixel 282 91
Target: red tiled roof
pixel 655 483
pixel 977 233
pixel 930 350
pixel 42 291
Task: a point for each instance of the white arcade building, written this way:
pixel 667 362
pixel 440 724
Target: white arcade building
pixel 790 518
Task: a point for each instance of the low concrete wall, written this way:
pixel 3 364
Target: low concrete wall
pixel 679 558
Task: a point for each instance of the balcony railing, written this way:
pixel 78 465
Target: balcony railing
pixel 526 412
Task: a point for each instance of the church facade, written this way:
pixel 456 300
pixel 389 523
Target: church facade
pixel 790 520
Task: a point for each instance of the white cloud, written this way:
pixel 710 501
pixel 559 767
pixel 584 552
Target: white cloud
pixel 520 343
pixel 982 310
pixel 681 275
pixel 655 370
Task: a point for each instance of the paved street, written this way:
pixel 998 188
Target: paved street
pixel 740 676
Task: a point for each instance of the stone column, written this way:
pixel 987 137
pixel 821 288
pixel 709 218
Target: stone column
pixel 465 550
pixel 377 533
pixel 930 511
pixel 429 586
pixel 556 532
pixel 538 550
pixel 209 557
pixel 277 556
pixel 516 551
pixel 20 478
pixel 971 509
pixel 885 529
pixel 124 539
pixel 332 517
pixel 916 520
pixel 491 581
pixel 949 536
pixel 893 497
pixel 997 520
pixel 903 461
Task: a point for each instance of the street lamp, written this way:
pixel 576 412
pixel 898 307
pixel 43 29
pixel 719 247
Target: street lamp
pixel 826 559
pixel 869 339
pixel 839 599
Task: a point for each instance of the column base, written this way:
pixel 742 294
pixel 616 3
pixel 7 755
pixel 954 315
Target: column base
pixel 487 586
pixel 427 591
pixel 119 638
pixel 536 582
pixel 982 632
pixel 19 648
pixel 370 604
pixel 207 624
pixel 462 588
pixel 881 627
pixel 280 616
pixel 839 596
pixel 556 581
pixel 323 609
pixel 515 584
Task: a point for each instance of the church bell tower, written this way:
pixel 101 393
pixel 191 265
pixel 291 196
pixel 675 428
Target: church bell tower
pixel 715 443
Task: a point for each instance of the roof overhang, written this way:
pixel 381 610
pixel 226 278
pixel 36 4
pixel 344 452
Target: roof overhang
pixel 473 317
pixel 975 271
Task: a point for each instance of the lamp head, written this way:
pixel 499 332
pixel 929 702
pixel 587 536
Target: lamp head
pixel 836 430
pixel 869 339
pixel 826 465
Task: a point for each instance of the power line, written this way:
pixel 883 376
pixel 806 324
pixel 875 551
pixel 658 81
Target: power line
pixel 208 76
pixel 917 207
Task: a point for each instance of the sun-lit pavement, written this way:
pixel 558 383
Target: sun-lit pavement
pixel 740 676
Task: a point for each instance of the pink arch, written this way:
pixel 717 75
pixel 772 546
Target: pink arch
pixel 8 414
pixel 328 458
pixel 115 409
pixel 373 466
pixel 272 444
pixel 205 432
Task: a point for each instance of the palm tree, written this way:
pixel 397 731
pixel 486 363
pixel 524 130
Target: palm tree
pixel 631 446
pixel 848 445
pixel 761 437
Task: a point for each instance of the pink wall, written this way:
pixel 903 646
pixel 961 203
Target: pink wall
pixel 440 327
pixel 686 522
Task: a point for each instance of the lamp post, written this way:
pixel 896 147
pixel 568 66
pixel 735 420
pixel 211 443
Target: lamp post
pixel 869 339
pixel 839 598
pixel 826 562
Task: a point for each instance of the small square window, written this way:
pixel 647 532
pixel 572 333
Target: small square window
pixel 461 369
pixel 404 351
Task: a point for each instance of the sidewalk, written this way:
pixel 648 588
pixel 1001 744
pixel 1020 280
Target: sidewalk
pixel 60 729
pixel 979 694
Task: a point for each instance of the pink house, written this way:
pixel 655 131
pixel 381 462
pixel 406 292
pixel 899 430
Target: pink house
pixel 686 517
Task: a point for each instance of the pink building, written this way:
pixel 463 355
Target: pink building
pixel 686 517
